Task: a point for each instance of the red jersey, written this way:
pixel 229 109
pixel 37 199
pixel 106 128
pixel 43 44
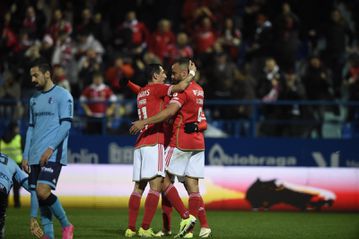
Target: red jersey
pixel 99 95
pixel 191 103
pixel 150 101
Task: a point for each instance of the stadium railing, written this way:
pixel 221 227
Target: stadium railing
pixel 231 118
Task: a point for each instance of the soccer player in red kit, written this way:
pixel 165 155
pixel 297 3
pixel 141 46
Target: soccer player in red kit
pixel 149 164
pixel 186 148
pixel 166 205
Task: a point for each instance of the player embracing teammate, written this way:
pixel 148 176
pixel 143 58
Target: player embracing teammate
pixel 185 156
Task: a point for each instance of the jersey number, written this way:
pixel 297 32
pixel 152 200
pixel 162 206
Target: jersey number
pixel 142 114
pixel 199 116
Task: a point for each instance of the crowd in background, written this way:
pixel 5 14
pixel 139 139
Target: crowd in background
pixel 244 49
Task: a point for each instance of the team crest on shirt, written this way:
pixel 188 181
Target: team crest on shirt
pixel 51 100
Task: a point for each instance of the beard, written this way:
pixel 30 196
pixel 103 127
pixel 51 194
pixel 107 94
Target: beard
pixel 38 87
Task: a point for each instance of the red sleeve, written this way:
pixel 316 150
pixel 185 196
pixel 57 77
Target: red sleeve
pixel 133 87
pixel 179 98
pixel 202 126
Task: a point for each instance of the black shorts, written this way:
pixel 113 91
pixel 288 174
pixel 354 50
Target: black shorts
pixel 3 205
pixel 48 174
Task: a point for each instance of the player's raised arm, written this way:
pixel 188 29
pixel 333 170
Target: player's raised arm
pixel 182 85
pixel 167 113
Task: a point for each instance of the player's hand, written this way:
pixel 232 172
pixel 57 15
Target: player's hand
pixel 45 156
pixel 25 165
pixel 137 126
pixel 35 228
pixel 190 127
pixel 192 67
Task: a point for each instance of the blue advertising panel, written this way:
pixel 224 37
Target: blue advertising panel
pixel 229 151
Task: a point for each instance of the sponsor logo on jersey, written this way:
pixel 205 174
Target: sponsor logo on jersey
pixel 51 100
pixel 47 170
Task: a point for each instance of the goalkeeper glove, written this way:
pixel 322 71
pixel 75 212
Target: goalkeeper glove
pixel 190 128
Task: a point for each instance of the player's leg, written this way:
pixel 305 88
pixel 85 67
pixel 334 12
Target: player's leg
pixel 151 202
pixel 134 207
pixel 195 171
pixel 188 221
pixel 3 205
pixel 47 181
pixel 177 166
pixel 16 190
pixel 153 168
pixel 166 205
pixel 47 224
pixel 135 198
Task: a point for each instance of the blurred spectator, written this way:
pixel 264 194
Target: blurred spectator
pixel 286 38
pixel 243 88
pixel 182 48
pixel 60 78
pixel 98 102
pixel 88 64
pixel 87 41
pixel 116 73
pixel 34 23
pixel 204 37
pixel 292 115
pixel 162 39
pixel 86 23
pixel 64 55
pixel 268 84
pixel 47 47
pixel 338 38
pixel 260 45
pixel 10 92
pixel 59 25
pixel 352 81
pixel 101 29
pixel 230 38
pixel 132 34
pixel 11 144
pixel 268 89
pixel 221 79
pixel 9 42
pixel 194 11
pixel 317 82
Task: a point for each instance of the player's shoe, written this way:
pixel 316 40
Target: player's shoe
pixel 205 232
pixel 146 233
pixel 163 233
pixel 186 225
pixel 188 235
pixel 68 232
pixel 129 233
pixel 35 228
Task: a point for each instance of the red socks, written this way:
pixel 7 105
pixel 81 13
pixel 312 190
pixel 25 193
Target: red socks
pixel 172 194
pixel 150 208
pixel 202 217
pixel 133 207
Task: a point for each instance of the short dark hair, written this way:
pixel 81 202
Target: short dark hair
pixel 151 69
pixel 43 66
pixel 183 62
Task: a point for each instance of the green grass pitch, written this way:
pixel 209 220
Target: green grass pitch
pixel 111 223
